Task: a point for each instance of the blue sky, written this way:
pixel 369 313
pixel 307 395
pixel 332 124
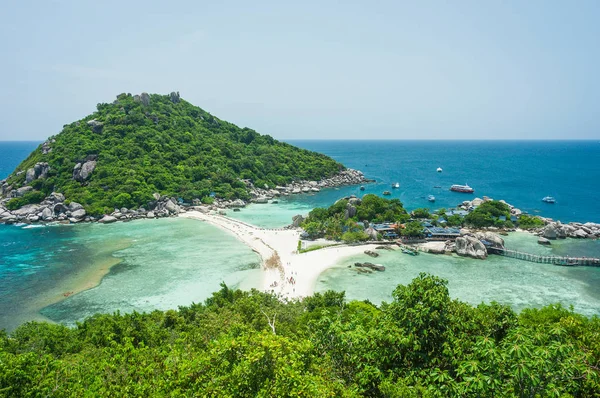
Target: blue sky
pixel 322 69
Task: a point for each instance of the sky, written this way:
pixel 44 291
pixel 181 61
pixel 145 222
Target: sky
pixel 312 69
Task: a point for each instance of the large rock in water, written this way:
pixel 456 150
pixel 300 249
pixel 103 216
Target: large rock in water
pixel 549 231
pixel 543 241
pixel 107 220
pixel 469 246
pixel 495 239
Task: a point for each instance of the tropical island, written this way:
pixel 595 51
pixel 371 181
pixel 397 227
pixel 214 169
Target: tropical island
pixel 151 156
pixel 153 152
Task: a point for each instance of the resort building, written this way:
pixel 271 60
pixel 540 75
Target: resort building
pixel 438 233
pixel 387 230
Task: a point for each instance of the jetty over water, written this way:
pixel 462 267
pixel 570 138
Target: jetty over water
pixel 556 260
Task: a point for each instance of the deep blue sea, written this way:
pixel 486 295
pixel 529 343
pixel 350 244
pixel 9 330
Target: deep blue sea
pixel 520 172
pixel 40 265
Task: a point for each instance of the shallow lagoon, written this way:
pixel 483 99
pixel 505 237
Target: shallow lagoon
pixel 160 264
pixel 508 281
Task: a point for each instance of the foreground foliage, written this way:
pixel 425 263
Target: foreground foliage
pixel 249 344
pixel 173 148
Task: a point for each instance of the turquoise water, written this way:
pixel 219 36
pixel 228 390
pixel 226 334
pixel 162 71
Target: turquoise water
pixel 516 283
pixel 169 263
pixel 161 264
pixel 166 263
pixel 520 172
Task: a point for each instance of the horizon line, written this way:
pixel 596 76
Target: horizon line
pixel 403 139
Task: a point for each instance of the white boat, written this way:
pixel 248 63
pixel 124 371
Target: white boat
pixel 396 185
pixel 439 170
pixel 462 188
pixel 431 198
pixel 549 199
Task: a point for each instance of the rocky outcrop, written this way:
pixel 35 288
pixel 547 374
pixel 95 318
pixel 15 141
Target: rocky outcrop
pixel 350 211
pixel 107 220
pixel 345 177
pixel 17 193
pixel 371 253
pixel 495 239
pixel 145 99
pixel 557 230
pixel 174 97
pixel 46 149
pixel 543 241
pixel 371 232
pixel 375 267
pixel 437 247
pixel 40 170
pixel 470 246
pixel 95 125
pixel 83 171
pixel 297 221
pixel 238 203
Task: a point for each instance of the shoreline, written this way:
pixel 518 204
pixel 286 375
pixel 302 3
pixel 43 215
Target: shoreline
pixel 304 268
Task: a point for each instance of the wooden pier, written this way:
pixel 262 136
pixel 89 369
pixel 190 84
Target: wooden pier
pixel 556 260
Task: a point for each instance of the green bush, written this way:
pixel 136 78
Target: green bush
pixel 530 222
pixel 29 198
pixel 422 343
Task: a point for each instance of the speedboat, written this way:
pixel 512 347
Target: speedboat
pixel 396 185
pixel 410 252
pixel 437 186
pixel 439 170
pixel 431 198
pixel 549 199
pixel 387 193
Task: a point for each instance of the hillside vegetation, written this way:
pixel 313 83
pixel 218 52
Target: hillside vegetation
pixel 138 145
pixel 251 344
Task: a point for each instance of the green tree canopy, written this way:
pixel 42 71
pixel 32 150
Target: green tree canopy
pixel 166 146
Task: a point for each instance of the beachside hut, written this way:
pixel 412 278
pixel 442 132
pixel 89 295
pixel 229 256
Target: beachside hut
pixel 386 230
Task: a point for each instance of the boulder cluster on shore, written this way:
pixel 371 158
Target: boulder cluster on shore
pixel 345 177
pixel 54 208
pixel 557 230
pixel 552 229
pixel 468 244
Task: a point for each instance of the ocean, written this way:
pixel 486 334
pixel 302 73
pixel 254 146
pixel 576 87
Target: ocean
pixel 160 264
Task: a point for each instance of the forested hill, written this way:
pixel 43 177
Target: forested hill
pixel 141 144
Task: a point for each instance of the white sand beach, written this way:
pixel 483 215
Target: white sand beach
pixel 280 259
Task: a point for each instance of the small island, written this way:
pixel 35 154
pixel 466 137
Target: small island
pixel 142 156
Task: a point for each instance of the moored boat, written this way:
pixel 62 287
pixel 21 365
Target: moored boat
pixel 410 252
pixel 431 198
pixel 387 193
pixel 439 170
pixel 362 188
pixel 549 199
pixel 462 188
pixel 396 185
